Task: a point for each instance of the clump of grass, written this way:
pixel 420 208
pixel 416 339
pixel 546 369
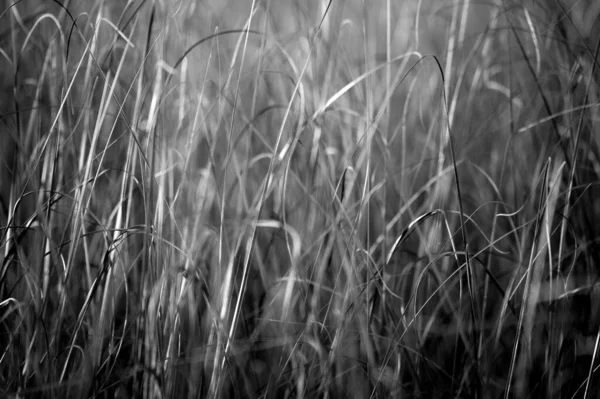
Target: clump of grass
pixel 272 199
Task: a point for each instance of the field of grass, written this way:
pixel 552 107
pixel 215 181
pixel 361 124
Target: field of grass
pixel 299 199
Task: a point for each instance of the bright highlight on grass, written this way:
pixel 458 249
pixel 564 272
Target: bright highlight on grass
pixel 298 199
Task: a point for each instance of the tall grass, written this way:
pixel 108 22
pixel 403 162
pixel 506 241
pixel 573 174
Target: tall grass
pixel 299 199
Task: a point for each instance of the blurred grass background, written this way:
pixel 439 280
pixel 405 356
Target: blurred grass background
pixel 299 198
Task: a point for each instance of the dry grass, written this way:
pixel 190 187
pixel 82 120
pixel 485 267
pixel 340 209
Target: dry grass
pixel 299 199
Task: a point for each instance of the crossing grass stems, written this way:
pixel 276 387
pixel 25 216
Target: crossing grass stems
pixel 299 199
